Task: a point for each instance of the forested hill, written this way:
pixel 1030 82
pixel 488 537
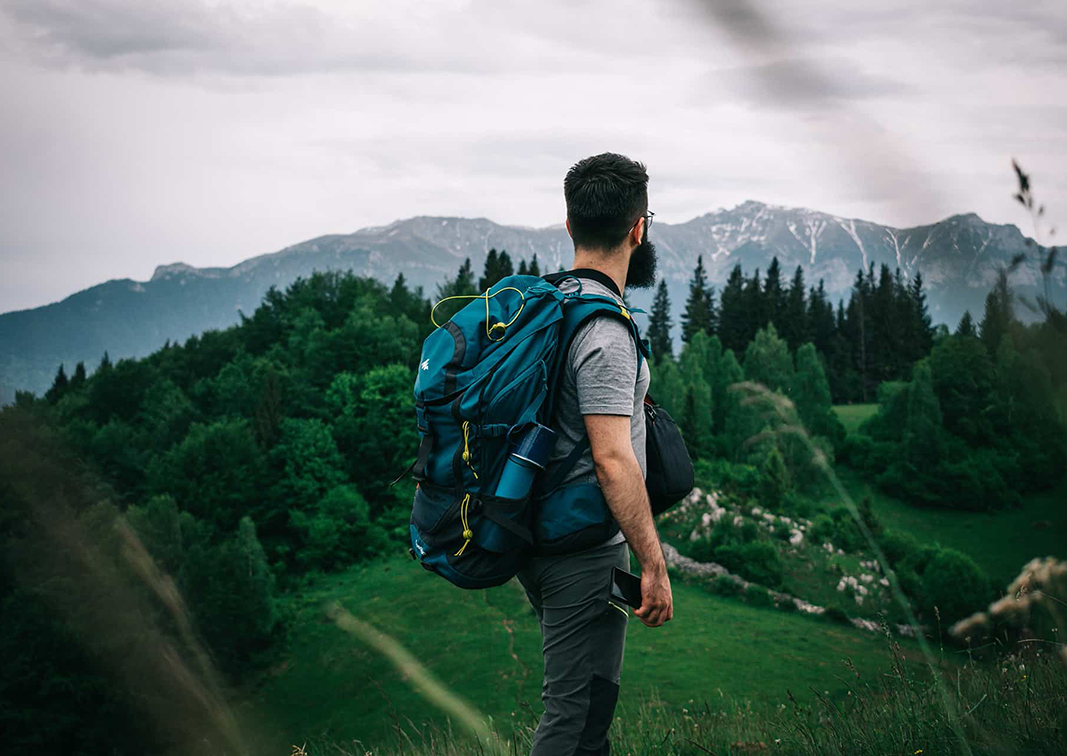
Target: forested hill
pixel 958 258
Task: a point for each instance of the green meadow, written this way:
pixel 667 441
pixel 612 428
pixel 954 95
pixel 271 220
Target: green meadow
pixel 852 416
pixel 1000 542
pixel 485 646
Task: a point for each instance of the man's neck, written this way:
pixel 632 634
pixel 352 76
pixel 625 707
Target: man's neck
pixel 612 265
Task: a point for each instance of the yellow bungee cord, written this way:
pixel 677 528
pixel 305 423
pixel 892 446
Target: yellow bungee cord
pixel 498 327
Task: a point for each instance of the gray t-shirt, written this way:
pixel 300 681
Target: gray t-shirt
pixel 600 378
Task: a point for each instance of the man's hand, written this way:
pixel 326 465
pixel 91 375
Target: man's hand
pixel 620 479
pixel 657 603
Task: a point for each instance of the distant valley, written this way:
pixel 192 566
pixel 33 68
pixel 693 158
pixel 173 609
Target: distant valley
pixel 958 257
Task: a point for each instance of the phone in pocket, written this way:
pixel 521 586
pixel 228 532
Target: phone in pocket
pixel 626 587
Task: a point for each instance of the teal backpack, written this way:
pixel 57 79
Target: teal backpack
pixel 485 377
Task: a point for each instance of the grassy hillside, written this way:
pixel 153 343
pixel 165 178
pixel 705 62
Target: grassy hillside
pixel 1000 542
pixel 486 646
pixel 852 416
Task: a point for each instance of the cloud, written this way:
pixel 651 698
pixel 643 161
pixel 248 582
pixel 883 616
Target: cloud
pixel 807 84
pixel 213 130
pixel 255 38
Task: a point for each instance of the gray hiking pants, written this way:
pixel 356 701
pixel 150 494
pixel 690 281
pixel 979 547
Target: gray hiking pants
pixel 583 636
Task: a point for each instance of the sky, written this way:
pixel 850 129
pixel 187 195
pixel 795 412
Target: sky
pixel 137 133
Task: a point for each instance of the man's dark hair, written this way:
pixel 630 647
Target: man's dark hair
pixel 605 195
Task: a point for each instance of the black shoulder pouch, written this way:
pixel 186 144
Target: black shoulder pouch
pixel 669 475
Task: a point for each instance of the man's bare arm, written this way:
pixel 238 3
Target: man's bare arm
pixel 619 474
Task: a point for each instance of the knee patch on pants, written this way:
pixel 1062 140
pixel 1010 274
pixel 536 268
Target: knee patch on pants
pixel 603 695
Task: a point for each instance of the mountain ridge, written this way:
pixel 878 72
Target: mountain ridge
pixel 958 257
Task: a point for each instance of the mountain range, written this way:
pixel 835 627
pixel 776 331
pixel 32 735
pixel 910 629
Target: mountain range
pixel 958 257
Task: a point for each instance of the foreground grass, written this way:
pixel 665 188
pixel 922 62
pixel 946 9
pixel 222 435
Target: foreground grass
pixel 1000 542
pixel 717 655
pixel 1010 708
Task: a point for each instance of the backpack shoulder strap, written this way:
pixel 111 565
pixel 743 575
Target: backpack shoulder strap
pixel 579 309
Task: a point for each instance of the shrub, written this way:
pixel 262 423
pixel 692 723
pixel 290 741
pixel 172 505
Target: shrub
pixel 337 532
pixel 725 586
pixel 836 614
pixel 822 529
pixel 757 595
pixel 731 477
pixel 757 561
pixel 897 545
pixel 787 605
pixel 773 479
pixel 955 585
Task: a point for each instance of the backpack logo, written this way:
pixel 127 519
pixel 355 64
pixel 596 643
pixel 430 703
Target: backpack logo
pixel 425 365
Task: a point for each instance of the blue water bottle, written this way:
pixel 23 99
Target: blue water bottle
pixel 527 458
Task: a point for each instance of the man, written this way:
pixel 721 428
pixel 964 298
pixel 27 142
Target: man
pixel 601 393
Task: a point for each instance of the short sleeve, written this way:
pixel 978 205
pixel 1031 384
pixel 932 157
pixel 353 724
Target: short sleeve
pixel 603 361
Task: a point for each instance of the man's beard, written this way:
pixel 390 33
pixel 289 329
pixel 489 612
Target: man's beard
pixel 641 273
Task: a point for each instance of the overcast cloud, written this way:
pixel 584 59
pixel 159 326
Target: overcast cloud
pixel 144 132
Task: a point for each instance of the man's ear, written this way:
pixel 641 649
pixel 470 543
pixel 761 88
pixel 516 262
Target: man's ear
pixel 567 223
pixel 637 233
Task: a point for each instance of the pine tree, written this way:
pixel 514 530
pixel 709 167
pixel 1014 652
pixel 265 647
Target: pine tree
pixel 461 285
pixel 753 312
pixel 79 377
pixel 522 268
pixel 497 266
pixel 858 331
pixel 732 327
pixel 767 361
pixel 669 387
pixel 505 266
pixel 534 269
pixel 821 320
pixel 773 479
pixel 996 321
pixel 694 357
pixel 696 418
pixel 713 371
pixel 923 424
pixel 774 296
pixel 966 325
pixel 795 323
pixel 105 363
pixel 841 371
pixel 699 312
pixel 884 342
pixel 659 324
pixel 921 333
pixel 811 395
pixel 59 386
pixel 739 421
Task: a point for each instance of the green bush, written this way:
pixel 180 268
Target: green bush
pixel 732 477
pixel 757 595
pixel 835 613
pixel 337 532
pixel 954 584
pixel 773 479
pixel 724 586
pixel 897 545
pixel 822 529
pixel 757 561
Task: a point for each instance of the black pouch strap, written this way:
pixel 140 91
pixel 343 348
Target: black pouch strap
pixel 489 510
pixel 565 466
pixel 425 447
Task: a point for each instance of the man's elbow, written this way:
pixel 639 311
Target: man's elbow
pixel 613 464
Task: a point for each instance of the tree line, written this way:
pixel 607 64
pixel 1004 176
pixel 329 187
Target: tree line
pixel 884 328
